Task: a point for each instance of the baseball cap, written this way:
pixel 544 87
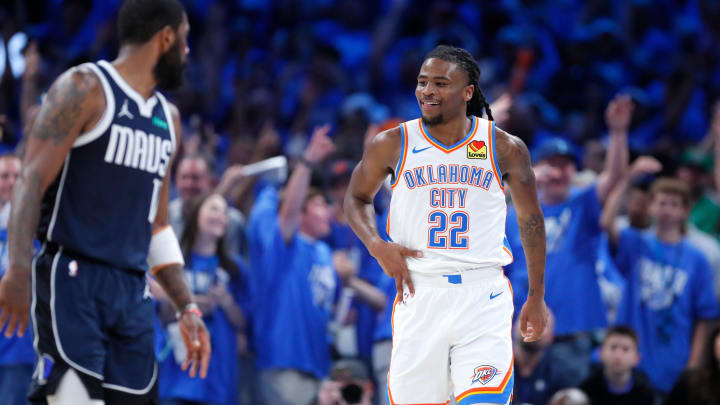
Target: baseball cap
pixel 553 147
pixel 343 370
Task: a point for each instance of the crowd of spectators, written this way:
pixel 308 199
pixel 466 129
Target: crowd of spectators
pixel 617 100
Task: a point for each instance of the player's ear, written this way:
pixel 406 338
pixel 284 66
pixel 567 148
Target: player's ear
pixel 468 92
pixel 167 38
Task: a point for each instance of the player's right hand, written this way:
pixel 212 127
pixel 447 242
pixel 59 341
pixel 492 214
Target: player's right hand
pixel 14 302
pixel 393 260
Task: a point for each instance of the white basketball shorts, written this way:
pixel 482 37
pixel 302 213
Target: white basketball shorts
pixel 453 337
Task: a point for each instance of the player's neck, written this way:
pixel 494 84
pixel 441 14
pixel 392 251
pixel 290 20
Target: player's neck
pixel 669 234
pixel 132 64
pixel 205 245
pixel 451 131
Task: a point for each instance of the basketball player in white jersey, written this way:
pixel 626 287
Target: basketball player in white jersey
pixel 452 318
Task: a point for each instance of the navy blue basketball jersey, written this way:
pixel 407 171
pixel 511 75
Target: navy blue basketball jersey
pixel 103 203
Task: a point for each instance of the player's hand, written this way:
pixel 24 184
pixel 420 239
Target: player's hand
pixel 644 165
pixel 197 342
pixel 392 258
pixel 321 146
pixel 15 302
pixel 533 319
pixel 619 113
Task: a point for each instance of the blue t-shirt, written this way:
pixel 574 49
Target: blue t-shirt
pixel 571 287
pixel 15 350
pixel 294 287
pixel 343 237
pixel 383 328
pixel 220 386
pixel 669 288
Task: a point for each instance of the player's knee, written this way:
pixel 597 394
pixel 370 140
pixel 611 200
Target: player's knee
pixel 71 391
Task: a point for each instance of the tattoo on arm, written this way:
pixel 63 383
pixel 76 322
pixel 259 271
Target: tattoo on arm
pixel 532 230
pixel 64 105
pixel 172 280
pixel 24 218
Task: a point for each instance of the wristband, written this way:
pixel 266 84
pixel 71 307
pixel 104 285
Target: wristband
pixel 191 308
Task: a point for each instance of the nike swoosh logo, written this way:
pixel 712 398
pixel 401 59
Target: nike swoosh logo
pixel 495 295
pixel 416 150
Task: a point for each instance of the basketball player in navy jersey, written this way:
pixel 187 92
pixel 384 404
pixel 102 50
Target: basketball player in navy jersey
pixel 452 318
pixel 94 190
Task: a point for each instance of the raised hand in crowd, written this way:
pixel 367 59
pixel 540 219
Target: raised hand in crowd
pixel 501 108
pixel 618 113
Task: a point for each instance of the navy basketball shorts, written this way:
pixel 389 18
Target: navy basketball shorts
pixel 97 320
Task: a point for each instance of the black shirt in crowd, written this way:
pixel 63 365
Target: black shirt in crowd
pixel 597 389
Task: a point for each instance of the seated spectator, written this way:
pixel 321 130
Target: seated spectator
pixel 617 382
pixel 293 283
pixel 699 386
pixel 669 297
pixel 194 178
pixel 214 276
pixel 537 378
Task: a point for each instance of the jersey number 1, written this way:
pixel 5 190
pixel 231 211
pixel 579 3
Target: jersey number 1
pixel 157 185
pixel 458 221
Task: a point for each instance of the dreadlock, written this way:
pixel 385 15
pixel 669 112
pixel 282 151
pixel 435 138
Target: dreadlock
pixel 466 62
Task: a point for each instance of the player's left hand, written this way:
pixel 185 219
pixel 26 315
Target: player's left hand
pixel 197 342
pixel 533 319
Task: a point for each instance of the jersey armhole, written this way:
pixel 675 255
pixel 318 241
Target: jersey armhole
pixel 102 125
pixel 403 155
pixel 493 161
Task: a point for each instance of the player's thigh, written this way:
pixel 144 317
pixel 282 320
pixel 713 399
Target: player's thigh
pixel 482 360
pixel 130 365
pixel 66 316
pixel 419 365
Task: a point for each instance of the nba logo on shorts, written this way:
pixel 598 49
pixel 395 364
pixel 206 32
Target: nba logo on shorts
pixel 72 268
pixel 484 374
pixel 477 150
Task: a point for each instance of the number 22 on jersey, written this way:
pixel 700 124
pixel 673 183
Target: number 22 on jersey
pixel 448 231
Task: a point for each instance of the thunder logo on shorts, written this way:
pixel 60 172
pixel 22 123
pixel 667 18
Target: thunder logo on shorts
pixel 483 374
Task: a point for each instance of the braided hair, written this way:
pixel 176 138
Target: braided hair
pixel 466 62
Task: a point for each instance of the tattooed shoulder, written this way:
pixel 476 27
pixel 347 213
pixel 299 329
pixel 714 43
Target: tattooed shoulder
pixel 74 100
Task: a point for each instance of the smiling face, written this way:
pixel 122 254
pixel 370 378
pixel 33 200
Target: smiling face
pixel 212 217
pixel 442 91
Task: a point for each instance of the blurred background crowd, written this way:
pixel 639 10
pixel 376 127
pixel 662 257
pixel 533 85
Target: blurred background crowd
pixel 617 101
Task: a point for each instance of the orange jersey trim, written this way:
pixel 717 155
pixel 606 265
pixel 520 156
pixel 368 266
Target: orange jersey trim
pixel 401 164
pixel 428 138
pixel 157 231
pixel 491 131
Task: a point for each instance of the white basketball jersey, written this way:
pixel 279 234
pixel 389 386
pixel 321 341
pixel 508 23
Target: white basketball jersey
pixel 448 201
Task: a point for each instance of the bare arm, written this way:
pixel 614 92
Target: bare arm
pixel 617 116
pixel 514 161
pixel 379 159
pixel 368 293
pixel 641 166
pixel 611 209
pixel 74 103
pixel 700 333
pixel 296 190
pixel 172 279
